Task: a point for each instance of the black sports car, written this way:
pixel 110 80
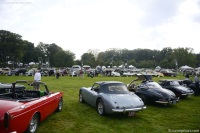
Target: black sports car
pixel 167 72
pixel 185 82
pixel 193 86
pixel 152 92
pixel 175 86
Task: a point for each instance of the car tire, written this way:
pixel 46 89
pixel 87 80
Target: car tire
pixel 100 107
pixel 32 127
pixel 60 105
pixel 81 97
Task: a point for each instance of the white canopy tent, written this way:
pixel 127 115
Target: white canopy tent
pixel 186 67
pixel 131 66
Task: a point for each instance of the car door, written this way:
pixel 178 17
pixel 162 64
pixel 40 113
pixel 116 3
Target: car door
pixel 50 103
pixel 92 96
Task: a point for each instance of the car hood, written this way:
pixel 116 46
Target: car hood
pixel 182 88
pixel 7 105
pixel 126 100
pixel 163 92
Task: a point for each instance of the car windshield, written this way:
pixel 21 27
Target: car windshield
pixel 115 88
pixel 153 85
pixel 174 83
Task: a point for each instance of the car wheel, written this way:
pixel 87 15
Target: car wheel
pixel 60 105
pixel 81 98
pixel 100 107
pixel 33 124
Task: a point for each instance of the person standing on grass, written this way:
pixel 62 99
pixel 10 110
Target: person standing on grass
pixel 81 73
pixel 187 81
pixel 37 78
pixel 57 74
pixel 196 80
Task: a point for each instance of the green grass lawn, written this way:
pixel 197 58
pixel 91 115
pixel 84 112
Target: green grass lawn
pixel 82 118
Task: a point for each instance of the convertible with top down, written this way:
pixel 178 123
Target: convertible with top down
pixel 22 109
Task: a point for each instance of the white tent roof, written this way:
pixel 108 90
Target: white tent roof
pixel 185 67
pixel 198 68
pixel 131 66
pixel 31 63
pixel 120 66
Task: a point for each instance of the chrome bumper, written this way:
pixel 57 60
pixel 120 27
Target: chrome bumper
pixel 169 102
pixel 129 110
pixel 187 94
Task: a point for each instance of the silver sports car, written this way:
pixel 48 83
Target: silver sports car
pixel 111 97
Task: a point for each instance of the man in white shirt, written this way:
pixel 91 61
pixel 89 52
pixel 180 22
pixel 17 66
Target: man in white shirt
pixel 37 78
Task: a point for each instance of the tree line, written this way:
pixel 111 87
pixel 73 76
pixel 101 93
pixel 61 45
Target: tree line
pixel 14 48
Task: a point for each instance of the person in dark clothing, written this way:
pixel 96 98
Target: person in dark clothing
pixel 57 74
pixel 92 74
pixel 196 80
pixel 187 80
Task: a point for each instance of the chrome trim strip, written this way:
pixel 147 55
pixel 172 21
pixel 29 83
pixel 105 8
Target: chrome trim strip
pixel 129 110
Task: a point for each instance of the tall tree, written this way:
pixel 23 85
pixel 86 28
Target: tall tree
pixel 167 58
pixel 187 53
pixel 29 53
pixel 88 59
pixel 52 50
pixel 198 60
pixel 11 47
pixel 95 52
pixel 64 58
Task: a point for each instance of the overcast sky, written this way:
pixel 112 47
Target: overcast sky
pixel 80 25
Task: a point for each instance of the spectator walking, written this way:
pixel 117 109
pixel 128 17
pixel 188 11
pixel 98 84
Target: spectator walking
pixel 57 73
pixel 81 73
pixel 37 78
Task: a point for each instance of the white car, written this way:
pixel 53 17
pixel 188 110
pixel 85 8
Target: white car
pixel 6 70
pixel 128 74
pixel 29 73
pixel 74 70
pixel 115 74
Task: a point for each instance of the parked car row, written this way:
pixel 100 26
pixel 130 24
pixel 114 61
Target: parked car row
pixel 166 91
pixel 151 92
pixel 116 97
pixel 24 71
pixel 77 70
pixel 25 107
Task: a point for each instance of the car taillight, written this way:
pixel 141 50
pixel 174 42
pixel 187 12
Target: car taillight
pixel 6 120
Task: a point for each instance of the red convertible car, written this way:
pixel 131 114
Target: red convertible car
pixel 22 109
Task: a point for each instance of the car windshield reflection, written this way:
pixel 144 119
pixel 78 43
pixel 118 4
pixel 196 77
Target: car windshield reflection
pixel 116 89
pixel 153 85
pixel 174 83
